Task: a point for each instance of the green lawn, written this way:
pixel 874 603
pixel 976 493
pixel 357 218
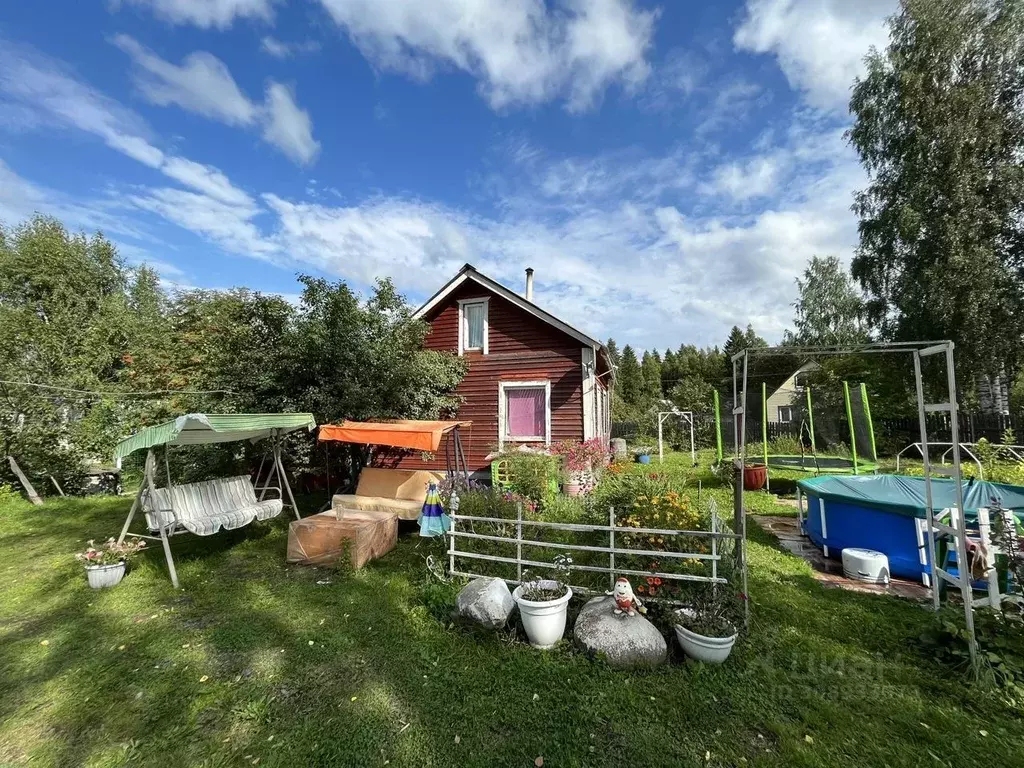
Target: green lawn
pixel 259 663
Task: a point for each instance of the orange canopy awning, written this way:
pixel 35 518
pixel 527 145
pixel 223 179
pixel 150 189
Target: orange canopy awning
pixel 414 435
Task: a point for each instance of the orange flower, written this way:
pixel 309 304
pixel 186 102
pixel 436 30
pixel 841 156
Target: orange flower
pixel 650 579
pixel 640 589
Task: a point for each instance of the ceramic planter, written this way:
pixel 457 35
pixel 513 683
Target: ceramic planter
pixel 710 650
pixel 101 576
pixel 544 621
pixel 574 488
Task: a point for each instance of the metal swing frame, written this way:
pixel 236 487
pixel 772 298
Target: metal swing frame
pixel 174 528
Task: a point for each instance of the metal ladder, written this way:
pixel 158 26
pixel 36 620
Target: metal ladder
pixel 956 531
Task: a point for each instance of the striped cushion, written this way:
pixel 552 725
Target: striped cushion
pixel 204 508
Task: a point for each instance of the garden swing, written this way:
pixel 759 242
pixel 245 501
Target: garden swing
pixel 206 507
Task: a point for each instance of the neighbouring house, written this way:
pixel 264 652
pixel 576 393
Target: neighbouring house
pixel 785 401
pixel 532 377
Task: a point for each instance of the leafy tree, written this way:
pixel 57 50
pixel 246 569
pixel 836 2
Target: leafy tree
pixel 829 310
pixel 940 130
pixel 650 369
pixel 693 393
pixel 630 381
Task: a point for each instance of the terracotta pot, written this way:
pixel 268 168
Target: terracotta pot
pixel 754 477
pixel 573 488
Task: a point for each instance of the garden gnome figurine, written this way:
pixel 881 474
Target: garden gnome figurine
pixel 624 598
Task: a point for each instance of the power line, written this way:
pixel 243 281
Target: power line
pixel 120 394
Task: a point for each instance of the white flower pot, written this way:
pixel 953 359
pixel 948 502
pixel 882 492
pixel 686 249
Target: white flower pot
pixel 710 650
pixel 544 621
pixel 101 576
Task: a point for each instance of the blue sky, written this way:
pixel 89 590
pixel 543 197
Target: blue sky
pixel 667 168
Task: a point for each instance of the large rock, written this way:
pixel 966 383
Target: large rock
pixel 487 602
pixel 625 641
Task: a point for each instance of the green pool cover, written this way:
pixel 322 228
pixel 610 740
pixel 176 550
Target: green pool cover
pixel 906 495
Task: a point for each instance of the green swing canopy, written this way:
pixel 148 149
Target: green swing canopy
pixel 203 428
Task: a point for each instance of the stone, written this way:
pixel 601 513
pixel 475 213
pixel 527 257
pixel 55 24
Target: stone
pixel 624 641
pixel 618 448
pixel 487 602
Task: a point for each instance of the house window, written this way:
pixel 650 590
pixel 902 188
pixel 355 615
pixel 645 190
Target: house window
pixel 785 413
pixel 524 412
pixel 473 326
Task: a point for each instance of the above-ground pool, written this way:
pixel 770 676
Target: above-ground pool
pixel 886 513
pixel 823 465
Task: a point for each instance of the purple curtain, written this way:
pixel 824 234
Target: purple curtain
pixel 524 409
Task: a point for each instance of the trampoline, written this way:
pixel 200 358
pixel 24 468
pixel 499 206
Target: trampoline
pixel 824 465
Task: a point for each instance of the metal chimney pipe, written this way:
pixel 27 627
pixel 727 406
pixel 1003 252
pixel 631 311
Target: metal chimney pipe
pixel 529 283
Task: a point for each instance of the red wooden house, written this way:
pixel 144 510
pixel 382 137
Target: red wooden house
pixel 532 377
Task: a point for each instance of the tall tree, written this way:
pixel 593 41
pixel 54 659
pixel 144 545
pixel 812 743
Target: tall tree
pixel 630 382
pixel 940 130
pixel 829 309
pixel 650 369
pixel 613 352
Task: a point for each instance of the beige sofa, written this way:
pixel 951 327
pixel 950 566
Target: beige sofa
pixel 401 491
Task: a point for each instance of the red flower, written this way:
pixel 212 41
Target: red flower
pixel 657 580
pixel 650 579
pixel 743 596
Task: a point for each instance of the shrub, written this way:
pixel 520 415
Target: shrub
pixel 533 476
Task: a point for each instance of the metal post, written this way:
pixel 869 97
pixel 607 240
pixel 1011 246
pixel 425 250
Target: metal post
pixel 451 541
pixel 148 479
pixel 929 516
pixel 611 547
pixel 131 512
pixel 283 475
pixel 849 421
pixel 810 420
pixel 741 529
pixel 764 433
pixel 661 444
pixel 519 541
pixel 693 446
pixel 961 535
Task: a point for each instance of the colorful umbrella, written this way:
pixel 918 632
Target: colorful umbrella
pixel 433 520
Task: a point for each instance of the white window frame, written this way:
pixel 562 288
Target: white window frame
pixel 779 412
pixel 503 388
pixel 463 335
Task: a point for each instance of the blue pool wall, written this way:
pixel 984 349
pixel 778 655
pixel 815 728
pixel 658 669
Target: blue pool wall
pixel 857 525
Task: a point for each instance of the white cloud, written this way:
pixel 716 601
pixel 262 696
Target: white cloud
pixel 282 50
pixel 820 44
pixel 203 84
pixel 744 180
pixel 287 126
pixel 206 179
pixel 207 13
pixel 520 51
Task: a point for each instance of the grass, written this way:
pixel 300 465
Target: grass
pixel 258 663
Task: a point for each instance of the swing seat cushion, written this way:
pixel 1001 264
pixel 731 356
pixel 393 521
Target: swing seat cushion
pixel 401 491
pixel 207 507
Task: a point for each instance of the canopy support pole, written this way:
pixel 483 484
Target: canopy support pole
pixel 150 483
pixel 283 475
pixel 132 511
pixel 458 446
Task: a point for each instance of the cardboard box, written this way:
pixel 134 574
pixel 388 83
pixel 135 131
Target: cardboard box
pixel 325 538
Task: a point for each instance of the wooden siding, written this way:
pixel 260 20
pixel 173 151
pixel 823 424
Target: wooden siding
pixel 521 348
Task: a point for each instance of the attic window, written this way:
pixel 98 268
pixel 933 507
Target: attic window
pixel 473 325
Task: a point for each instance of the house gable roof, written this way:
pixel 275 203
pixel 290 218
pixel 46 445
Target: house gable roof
pixel 470 273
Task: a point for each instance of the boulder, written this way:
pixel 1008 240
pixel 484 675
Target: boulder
pixel 618 448
pixel 625 641
pixel 487 602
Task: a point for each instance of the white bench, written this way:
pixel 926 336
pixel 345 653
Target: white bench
pixel 207 507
